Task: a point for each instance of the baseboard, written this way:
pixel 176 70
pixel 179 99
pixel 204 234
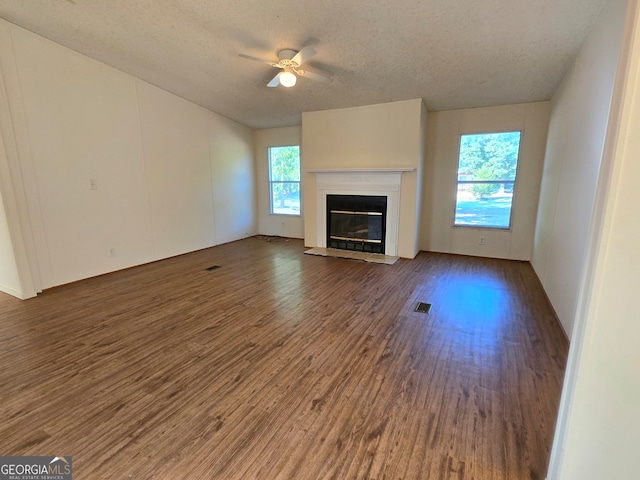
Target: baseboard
pixel 15 293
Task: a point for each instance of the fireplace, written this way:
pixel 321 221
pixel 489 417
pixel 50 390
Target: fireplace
pixel 381 183
pixel 356 222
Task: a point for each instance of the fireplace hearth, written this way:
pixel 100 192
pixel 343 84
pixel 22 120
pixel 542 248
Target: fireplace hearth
pixel 357 222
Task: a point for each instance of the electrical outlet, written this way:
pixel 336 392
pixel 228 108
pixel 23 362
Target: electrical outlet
pixel 112 252
pixel 284 225
pixel 93 184
pixel 482 239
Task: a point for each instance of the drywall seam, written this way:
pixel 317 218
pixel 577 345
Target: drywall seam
pixel 144 169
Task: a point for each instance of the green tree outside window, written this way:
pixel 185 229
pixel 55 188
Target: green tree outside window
pixel 284 180
pixel 486 176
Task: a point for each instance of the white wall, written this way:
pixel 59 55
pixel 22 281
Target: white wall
pixel 598 430
pixel 12 184
pixel 440 173
pixel 9 276
pixel 373 136
pixel 577 129
pixel 175 145
pixel 171 177
pixel 234 179
pixel 268 224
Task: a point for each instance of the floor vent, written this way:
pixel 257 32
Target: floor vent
pixel 422 307
pixel 215 267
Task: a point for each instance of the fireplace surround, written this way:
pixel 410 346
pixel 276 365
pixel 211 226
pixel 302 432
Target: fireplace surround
pixel 382 182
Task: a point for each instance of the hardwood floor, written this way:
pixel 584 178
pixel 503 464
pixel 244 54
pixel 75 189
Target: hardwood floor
pixel 279 365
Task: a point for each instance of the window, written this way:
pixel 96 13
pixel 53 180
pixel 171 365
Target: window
pixel 486 176
pixel 284 180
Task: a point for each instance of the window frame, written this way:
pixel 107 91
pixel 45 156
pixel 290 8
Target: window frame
pixel 481 182
pixel 272 182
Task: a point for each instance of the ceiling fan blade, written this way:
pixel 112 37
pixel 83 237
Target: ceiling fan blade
pixel 303 55
pixel 315 76
pixel 256 59
pixel 275 81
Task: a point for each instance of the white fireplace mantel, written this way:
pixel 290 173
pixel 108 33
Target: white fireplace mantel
pixel 360 181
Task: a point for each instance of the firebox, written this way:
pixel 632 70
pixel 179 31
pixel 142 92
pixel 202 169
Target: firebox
pixel 357 222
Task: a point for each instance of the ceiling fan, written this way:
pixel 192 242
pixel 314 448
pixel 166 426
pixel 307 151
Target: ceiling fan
pixel 289 61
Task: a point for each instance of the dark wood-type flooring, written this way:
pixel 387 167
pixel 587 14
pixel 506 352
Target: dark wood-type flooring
pixel 279 365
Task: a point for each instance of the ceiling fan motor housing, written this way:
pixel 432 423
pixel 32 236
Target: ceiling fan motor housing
pixel 286 54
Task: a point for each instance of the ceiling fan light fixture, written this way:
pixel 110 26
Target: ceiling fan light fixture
pixel 289 62
pixel 288 79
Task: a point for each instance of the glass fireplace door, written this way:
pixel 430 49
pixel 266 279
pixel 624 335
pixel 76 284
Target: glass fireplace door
pixel 356 222
pixel 356 226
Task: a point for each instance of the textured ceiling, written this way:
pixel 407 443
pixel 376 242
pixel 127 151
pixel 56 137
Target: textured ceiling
pixel 452 53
